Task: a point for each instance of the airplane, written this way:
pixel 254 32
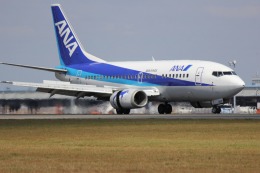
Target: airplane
pixel 132 84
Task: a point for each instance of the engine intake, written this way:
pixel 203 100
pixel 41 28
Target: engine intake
pixel 128 99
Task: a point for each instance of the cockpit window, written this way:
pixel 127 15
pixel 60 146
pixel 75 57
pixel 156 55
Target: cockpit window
pixel 220 73
pixel 227 73
pixel 217 73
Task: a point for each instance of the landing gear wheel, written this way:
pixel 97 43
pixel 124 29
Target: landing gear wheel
pixel 161 108
pixel 122 111
pixel 168 109
pixel 126 111
pixel 165 108
pixel 119 111
pixel 216 110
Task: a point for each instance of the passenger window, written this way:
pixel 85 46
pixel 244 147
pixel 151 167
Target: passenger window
pixel 176 75
pixel 187 75
pixel 183 75
pixel 180 75
pixel 172 75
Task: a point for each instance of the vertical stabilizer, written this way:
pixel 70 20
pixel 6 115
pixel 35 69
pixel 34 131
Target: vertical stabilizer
pixel 70 50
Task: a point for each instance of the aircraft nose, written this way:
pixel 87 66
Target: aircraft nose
pixel 239 84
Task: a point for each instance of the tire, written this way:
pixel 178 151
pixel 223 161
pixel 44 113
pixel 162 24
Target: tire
pixel 218 110
pixel 214 110
pixel 126 111
pixel 161 108
pixel 168 109
pixel 119 111
pixel 122 111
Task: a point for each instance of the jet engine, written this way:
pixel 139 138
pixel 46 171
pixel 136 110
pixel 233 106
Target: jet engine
pixel 204 104
pixel 128 99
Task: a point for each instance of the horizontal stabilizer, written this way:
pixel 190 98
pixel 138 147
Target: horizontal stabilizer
pixel 36 67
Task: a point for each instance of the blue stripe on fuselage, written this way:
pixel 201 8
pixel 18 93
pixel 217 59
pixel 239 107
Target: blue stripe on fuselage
pixel 98 69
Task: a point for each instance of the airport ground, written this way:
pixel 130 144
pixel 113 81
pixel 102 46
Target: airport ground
pixel 129 145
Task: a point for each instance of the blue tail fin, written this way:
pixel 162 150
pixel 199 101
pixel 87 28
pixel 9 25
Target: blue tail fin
pixel 70 50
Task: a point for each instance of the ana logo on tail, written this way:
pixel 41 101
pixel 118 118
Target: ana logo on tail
pixel 66 40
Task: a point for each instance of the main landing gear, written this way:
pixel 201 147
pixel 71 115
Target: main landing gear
pixel 165 108
pixel 216 110
pixel 122 111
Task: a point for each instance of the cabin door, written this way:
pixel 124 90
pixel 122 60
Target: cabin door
pixel 198 76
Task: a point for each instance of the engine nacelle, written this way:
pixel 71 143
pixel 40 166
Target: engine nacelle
pixel 204 104
pixel 128 99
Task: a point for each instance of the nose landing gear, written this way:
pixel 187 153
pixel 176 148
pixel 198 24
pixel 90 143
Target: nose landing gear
pixel 165 108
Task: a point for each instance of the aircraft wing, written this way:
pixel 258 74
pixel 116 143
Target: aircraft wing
pixel 76 90
pixel 65 88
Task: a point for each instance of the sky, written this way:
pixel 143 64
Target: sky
pixel 121 30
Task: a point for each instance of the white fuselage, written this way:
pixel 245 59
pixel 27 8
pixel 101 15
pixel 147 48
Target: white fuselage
pixel 196 83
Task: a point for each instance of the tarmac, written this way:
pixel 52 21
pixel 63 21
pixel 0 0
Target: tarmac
pixel 135 117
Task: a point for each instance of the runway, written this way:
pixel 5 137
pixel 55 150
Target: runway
pixel 134 117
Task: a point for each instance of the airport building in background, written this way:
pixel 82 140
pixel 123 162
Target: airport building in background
pixel 256 80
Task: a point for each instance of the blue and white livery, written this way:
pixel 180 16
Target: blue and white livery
pixel 132 84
